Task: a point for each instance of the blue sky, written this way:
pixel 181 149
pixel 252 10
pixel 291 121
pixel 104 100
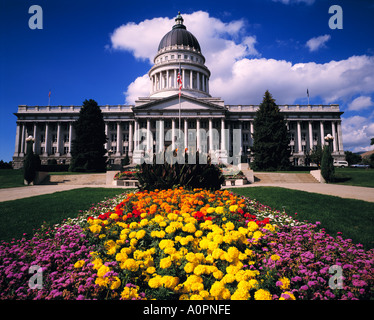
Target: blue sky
pixel 102 50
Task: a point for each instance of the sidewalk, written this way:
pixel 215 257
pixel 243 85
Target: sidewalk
pixel 31 191
pixel 343 191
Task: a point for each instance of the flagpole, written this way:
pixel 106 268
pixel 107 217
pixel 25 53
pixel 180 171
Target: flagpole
pixel 180 104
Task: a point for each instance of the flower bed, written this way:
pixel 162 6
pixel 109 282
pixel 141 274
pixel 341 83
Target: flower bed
pixel 179 244
pixel 126 175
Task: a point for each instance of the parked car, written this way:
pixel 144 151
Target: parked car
pixel 360 165
pixel 341 164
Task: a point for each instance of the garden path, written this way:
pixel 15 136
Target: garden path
pixel 343 191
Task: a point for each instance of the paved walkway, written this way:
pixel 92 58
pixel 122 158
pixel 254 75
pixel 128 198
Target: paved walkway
pixel 343 191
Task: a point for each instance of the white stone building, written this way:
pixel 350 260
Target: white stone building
pixel 207 123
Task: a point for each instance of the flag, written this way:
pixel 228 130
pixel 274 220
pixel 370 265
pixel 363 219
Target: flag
pixel 307 92
pixel 179 80
pixel 49 94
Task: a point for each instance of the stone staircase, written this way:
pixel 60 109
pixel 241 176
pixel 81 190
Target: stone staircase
pixel 77 179
pixel 271 177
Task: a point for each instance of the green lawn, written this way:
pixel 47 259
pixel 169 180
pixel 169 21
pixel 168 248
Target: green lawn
pixel 10 178
pixel 355 177
pixel 354 218
pixel 24 215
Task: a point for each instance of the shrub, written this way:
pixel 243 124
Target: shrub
pixel 327 165
pixel 164 176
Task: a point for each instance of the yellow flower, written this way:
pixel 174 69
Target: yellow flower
pixel 115 284
pixel 252 226
pixel 230 226
pixel 219 210
pixel 189 267
pixel 189 227
pixel 140 234
pixel 114 216
pixel 103 270
pixel 275 257
pixel 262 294
pixel 240 294
pixel 210 210
pixel 79 264
pixel 155 282
pixel 233 208
pixel 165 263
pixel 285 283
pixel 151 270
pixel 95 228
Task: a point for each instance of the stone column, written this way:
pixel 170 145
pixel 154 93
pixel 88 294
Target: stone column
pixel 70 136
pixel 131 137
pixel 334 142
pixel 322 129
pixel 148 135
pixel 183 79
pixel 23 140
pixel 185 127
pixel 107 137
pixel 16 150
pixel 119 139
pixel 191 79
pixel 167 79
pixel 136 135
pixel 340 135
pixel 310 136
pixel 58 139
pixel 46 137
pixel 198 134
pixel 223 137
pixel 198 80
pixel 299 136
pixel 161 135
pixel 251 130
pixel 210 135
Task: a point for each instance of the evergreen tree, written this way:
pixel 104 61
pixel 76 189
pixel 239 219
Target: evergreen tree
pixel 270 138
pixel 327 164
pixel 88 152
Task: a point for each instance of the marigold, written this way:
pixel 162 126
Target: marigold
pixel 262 294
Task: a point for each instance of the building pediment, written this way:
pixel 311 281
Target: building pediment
pixel 170 104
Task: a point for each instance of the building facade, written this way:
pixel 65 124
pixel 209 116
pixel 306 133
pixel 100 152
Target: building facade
pixel 206 123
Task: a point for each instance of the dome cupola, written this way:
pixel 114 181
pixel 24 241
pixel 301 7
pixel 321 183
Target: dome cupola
pixel 179 50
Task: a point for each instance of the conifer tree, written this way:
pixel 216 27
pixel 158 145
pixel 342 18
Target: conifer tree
pixel 88 152
pixel 270 138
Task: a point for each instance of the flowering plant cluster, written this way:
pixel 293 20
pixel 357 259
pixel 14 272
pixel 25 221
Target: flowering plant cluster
pixel 126 175
pixel 180 244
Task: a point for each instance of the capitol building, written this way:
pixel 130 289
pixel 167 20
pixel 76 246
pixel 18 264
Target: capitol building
pixel 206 123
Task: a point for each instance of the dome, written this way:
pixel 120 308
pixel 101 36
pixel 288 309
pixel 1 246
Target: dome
pixel 179 36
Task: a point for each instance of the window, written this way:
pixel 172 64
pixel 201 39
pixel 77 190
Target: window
pixel 42 138
pixel 303 137
pixel 66 150
pixel 66 138
pixel 292 149
pixel 292 135
pixel 54 150
pixel 54 137
pixel 172 57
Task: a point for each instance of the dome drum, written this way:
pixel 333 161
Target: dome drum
pixel 179 50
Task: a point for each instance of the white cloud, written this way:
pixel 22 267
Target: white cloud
pixel 332 81
pixel 357 132
pixel 318 42
pixel 360 103
pixel 239 74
